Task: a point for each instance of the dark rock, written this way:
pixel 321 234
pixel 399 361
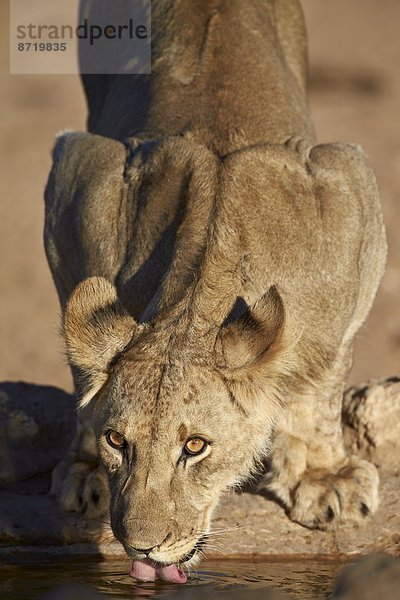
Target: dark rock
pixel 374 577
pixel 36 427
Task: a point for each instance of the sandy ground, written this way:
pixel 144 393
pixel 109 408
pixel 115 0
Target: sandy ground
pixel 354 96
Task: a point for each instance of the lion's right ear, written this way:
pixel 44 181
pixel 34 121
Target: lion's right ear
pixel 96 329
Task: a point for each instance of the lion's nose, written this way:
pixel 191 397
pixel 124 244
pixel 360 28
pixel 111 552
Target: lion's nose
pixel 145 551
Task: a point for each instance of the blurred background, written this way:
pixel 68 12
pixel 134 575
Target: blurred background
pixel 354 96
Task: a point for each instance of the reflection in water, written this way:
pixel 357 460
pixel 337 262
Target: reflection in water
pixel 85 579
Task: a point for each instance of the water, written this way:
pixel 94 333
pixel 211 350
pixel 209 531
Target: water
pixel 84 579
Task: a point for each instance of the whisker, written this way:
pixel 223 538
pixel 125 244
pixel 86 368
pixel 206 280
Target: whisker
pixel 107 539
pixel 222 532
pixel 214 547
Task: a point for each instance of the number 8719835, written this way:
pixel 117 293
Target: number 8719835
pixel 42 46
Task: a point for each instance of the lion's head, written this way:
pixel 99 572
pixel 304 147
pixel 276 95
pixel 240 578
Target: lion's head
pixel 180 411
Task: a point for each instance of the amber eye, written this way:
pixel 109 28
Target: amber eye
pixel 195 446
pixel 115 439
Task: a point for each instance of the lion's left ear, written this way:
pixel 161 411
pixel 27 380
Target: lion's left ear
pixel 253 339
pixel 96 328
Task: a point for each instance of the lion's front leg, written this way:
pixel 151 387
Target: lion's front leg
pixel 79 482
pixel 319 485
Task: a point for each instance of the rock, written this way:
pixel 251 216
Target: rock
pixel 36 427
pixel 373 577
pixel 30 519
pixel 371 417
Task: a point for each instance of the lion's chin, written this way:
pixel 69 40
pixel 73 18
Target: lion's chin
pixel 148 570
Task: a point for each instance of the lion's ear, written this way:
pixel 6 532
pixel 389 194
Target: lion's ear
pixel 254 338
pixel 96 328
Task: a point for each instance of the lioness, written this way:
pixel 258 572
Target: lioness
pixel 213 265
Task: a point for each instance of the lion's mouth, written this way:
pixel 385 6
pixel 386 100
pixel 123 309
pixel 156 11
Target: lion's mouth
pixel 148 570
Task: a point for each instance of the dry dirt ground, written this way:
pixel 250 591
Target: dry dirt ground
pixel 354 96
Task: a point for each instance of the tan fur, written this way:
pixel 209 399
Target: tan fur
pixel 213 265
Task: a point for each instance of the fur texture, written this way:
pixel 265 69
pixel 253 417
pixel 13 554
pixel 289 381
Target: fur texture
pixel 213 265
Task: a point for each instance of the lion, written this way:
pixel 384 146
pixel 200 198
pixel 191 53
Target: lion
pixel 213 265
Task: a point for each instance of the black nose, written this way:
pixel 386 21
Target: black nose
pixel 145 551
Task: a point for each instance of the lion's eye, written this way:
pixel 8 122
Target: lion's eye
pixel 195 446
pixel 115 439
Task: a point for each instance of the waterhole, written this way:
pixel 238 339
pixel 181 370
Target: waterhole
pixel 85 579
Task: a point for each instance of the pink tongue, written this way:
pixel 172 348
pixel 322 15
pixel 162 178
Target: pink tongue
pixel 146 570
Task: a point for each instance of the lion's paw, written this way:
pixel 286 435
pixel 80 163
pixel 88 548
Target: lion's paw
pixel 323 500
pixel 81 487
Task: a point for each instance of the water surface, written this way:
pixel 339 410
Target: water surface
pixel 308 579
